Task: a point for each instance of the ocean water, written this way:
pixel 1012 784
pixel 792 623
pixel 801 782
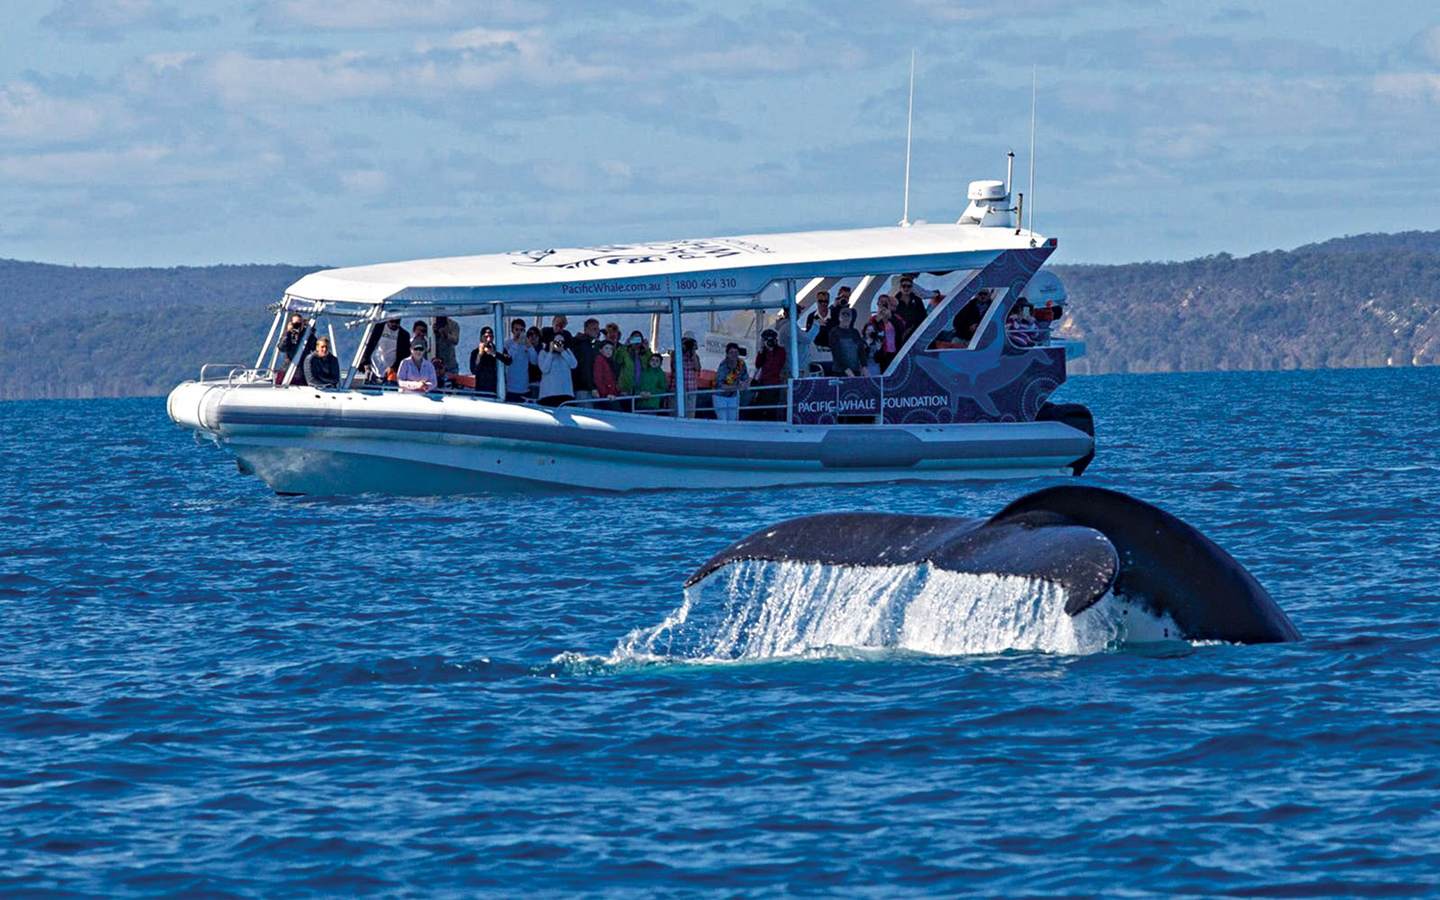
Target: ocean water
pixel 207 690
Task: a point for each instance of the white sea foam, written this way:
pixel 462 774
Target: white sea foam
pixel 762 610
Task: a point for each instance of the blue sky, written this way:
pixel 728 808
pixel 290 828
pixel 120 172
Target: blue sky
pixel 160 132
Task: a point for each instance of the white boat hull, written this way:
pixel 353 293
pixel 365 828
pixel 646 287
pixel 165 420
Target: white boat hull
pixel 303 441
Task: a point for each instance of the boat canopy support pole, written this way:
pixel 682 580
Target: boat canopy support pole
pixel 501 387
pixel 271 338
pixel 792 352
pixel 677 359
pixel 359 359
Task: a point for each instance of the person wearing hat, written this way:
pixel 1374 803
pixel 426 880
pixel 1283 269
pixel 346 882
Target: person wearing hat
pixel 770 375
pixel 689 369
pixel 486 364
pixel 416 374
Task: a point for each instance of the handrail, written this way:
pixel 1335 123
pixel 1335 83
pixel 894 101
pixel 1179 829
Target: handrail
pixel 229 367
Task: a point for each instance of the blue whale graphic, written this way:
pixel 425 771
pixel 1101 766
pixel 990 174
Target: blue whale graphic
pixel 1090 541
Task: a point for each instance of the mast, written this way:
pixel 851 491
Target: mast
pixel 909 124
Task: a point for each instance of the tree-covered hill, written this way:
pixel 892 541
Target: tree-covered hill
pixel 1372 300
pixel 97 332
pixel 1367 300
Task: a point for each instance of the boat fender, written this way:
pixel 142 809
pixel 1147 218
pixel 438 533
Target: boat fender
pixel 870 448
pixel 1077 416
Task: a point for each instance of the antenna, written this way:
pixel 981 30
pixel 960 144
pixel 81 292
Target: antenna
pixel 909 123
pixel 1034 80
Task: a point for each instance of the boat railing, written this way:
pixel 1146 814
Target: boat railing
pixel 234 374
pixel 665 406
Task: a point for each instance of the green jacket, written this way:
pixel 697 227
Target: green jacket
pixel 652 380
pixel 626 380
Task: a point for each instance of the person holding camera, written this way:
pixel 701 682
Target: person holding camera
pixel 556 363
pixel 517 371
pixel 634 357
pixel 770 375
pixel 689 357
pixel 731 378
pixel 291 340
pixel 485 363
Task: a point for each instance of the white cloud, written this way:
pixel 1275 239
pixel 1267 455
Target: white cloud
pixel 82 167
pixel 30 115
pixel 392 15
pixel 107 19
pixel 1426 45
pixel 364 181
pixel 1408 85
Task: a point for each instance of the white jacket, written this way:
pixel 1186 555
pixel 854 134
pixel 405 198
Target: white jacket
pixel 555 373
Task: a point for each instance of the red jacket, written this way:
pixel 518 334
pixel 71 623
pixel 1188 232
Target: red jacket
pixel 770 366
pixel 605 385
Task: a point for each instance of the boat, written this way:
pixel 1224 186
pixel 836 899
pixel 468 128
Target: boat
pixel 947 407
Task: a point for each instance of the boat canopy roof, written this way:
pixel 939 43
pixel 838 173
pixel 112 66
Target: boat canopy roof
pixel 712 273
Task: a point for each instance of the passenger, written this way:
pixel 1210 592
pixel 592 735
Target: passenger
pixel 871 346
pixel 770 372
pixel 321 369
pixel 291 340
pixel 517 371
pixel 970 316
pixel 556 364
pixel 416 374
pixel 484 362
pixel 689 370
pixel 556 326
pixel 633 358
pixel 1045 319
pixel 442 376
pixel 419 331
pixel 612 334
pixel 1020 325
pixel 533 373
pixel 936 299
pixel 447 338
pixel 848 346
pixel 583 346
pixel 603 373
pixel 731 378
pixel 651 387
pixel 388 346
pixel 891 329
pixel 909 307
pixel 820 314
pixel 804 341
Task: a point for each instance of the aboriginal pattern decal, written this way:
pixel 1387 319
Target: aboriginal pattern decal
pixel 637 254
pixel 993 382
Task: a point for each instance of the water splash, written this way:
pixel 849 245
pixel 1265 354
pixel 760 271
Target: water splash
pixel 763 610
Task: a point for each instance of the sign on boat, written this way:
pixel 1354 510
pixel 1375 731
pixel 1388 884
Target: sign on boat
pixel 963 394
